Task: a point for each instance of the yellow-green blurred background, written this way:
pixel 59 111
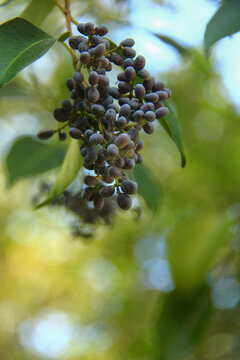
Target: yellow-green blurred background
pixel 150 286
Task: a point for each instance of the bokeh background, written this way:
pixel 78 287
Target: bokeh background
pixel 150 286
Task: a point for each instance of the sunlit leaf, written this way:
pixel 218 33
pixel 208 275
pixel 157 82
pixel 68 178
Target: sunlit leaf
pixel 4 2
pixel 148 186
pixel 223 23
pixel 36 11
pixel 28 157
pixel 68 172
pixel 184 51
pixel 21 43
pixel 171 125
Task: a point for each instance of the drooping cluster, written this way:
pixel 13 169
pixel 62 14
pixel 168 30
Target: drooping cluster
pixel 86 217
pixel 106 119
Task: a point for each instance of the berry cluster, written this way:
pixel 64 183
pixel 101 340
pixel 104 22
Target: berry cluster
pixel 86 217
pixel 108 119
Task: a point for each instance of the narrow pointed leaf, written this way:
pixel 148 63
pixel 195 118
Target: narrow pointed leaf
pixel 184 51
pixel 171 125
pixel 69 170
pixel 148 186
pixel 223 23
pixel 28 157
pixel 36 11
pixel 21 43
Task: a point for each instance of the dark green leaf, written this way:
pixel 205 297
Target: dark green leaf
pixel 148 186
pixel 64 36
pixel 28 157
pixel 68 172
pixel 184 51
pixel 21 43
pixel 171 125
pixel 181 322
pixel 223 23
pixel 36 11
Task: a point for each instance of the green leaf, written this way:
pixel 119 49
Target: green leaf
pixel 193 245
pixel 113 45
pixel 68 172
pixel 64 36
pixel 181 322
pixel 171 125
pixel 36 11
pixel 184 51
pixel 28 157
pixel 4 3
pixel 21 43
pixel 223 23
pixel 148 186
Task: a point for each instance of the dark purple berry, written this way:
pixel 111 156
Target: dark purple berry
pixel 45 133
pixel 129 164
pixel 128 52
pixel 128 62
pixel 122 140
pixel 148 128
pixel 75 133
pixel 88 193
pixel 159 85
pixel 102 30
pixel 70 84
pixel 150 115
pixel 162 112
pixel 90 180
pixel 100 50
pixel 112 150
pixel 93 95
pixel 96 139
pixel 98 109
pixel 67 105
pixel 62 136
pixel 128 42
pixel 140 91
pixel 117 59
pixel 139 62
pixel 60 115
pixel 107 191
pixel 85 57
pixel 130 73
pixel 162 95
pixel 124 201
pixel 124 87
pixel 144 74
pixel 114 171
pixel 89 28
pixel 81 28
pixel 129 187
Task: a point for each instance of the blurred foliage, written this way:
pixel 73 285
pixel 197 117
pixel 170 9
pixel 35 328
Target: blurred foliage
pixel 149 287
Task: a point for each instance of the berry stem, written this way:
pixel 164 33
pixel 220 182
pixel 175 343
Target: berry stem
pixel 110 51
pixel 74 57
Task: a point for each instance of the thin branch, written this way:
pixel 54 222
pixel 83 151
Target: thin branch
pixel 68 15
pixel 64 12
